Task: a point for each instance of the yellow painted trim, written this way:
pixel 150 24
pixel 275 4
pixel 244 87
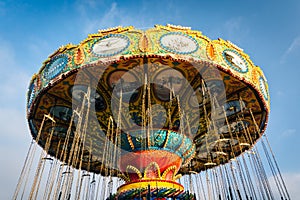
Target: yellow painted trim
pixel 154 183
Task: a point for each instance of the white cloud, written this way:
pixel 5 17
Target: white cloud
pixel 293 47
pixel 112 16
pixel 13 124
pixel 14 135
pixel 14 143
pixel 233 24
pixel 13 79
pixel 91 23
pixel 7 54
pixel 38 47
pixel 280 93
pixel 235 29
pixel 292 181
pixel 288 133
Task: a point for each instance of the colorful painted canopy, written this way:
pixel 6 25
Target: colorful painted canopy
pixel 209 102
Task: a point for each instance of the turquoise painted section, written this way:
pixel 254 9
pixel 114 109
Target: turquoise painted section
pixel 158 140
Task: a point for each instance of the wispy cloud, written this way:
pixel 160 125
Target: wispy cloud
pixel 14 79
pixel 235 29
pixel 280 93
pixel 293 47
pixel 234 24
pixel 113 16
pixel 13 127
pixel 288 133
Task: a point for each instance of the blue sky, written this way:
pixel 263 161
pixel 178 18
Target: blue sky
pixel 269 31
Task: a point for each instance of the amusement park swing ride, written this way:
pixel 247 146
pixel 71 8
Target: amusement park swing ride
pixel 163 113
